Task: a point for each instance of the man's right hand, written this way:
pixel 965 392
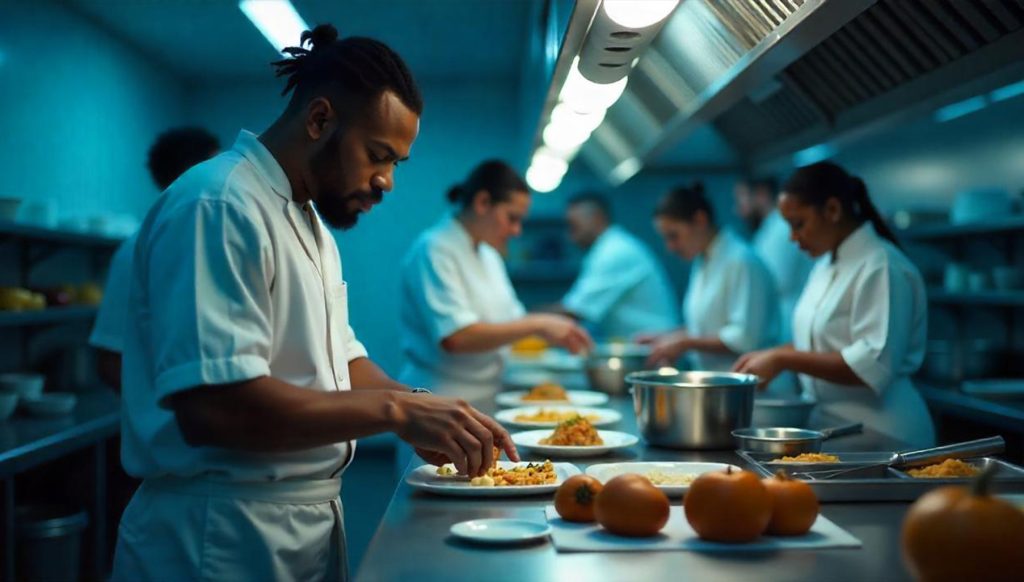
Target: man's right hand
pixel 451 428
pixel 563 332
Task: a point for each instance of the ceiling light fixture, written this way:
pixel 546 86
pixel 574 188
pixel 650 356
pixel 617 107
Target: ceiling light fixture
pixel 277 20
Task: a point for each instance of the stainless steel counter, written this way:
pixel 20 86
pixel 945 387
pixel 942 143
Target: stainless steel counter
pixel 412 542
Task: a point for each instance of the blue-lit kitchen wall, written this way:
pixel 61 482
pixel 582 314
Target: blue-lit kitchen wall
pixel 463 124
pixel 78 112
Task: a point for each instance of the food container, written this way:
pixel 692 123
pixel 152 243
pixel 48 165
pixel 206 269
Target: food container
pixel 792 412
pixel 789 441
pixel 25 385
pixel 609 364
pixel 691 410
pixel 50 404
pixel 49 542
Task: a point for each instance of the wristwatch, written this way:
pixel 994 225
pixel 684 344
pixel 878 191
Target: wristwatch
pixel 420 391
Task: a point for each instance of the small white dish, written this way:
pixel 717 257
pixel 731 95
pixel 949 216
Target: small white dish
pixel 425 478
pixel 50 404
pixel 604 472
pixel 576 398
pixel 26 385
pixel 500 531
pixel 530 440
pixel 601 416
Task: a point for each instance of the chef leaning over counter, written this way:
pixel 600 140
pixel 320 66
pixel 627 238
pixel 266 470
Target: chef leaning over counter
pixel 458 306
pixel 860 326
pixel 730 306
pixel 244 386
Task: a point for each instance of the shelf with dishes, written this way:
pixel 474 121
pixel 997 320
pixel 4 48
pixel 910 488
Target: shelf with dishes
pixel 1009 298
pixel 949 230
pixel 37 234
pixel 47 316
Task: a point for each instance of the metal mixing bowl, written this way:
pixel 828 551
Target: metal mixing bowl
pixel 609 364
pixel 692 410
pixel 795 411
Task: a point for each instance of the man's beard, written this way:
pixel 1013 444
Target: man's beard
pixel 333 206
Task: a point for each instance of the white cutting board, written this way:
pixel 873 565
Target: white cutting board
pixel 679 536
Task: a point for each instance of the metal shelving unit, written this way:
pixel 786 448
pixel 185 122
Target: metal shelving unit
pixel 937 232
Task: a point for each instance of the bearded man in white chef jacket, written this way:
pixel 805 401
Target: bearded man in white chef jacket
pixel 244 386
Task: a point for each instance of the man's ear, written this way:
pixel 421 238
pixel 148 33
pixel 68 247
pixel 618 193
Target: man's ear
pixel 319 116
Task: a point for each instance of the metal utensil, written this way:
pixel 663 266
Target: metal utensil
pixel 790 441
pixel 691 410
pixel 965 450
pixel 609 364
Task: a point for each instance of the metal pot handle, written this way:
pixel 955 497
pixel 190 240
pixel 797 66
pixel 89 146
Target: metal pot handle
pixel 852 428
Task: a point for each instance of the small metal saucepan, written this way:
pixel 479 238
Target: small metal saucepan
pixel 789 441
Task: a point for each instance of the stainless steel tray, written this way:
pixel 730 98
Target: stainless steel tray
pixel 879 483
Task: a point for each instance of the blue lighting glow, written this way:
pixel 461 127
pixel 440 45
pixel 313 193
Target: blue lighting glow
pixel 813 154
pixel 961 108
pixel 999 94
pixel 277 20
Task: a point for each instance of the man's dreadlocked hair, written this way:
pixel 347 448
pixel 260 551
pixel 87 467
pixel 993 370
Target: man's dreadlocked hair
pixel 357 66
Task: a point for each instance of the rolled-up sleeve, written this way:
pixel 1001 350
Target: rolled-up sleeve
pixel 209 297
pixel 435 285
pixel 881 318
pixel 752 309
pixel 354 349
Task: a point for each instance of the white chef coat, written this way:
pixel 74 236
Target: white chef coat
pixel 232 280
pixel 622 288
pixel 730 296
pixel 108 329
pixel 448 284
pixel 788 265
pixel 868 303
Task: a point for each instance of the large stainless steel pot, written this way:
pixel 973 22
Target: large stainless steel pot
pixel 692 410
pixel 609 364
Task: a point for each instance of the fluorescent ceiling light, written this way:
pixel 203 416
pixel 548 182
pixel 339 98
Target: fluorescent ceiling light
pixel 569 129
pixel 638 14
pixel 813 154
pixel 999 94
pixel 278 20
pixel 586 96
pixel 626 169
pixel 546 170
pixel 961 108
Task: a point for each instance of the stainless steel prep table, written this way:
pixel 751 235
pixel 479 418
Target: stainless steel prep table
pixel 412 541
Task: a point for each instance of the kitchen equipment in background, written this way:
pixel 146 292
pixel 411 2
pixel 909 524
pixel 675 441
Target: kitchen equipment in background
pixel 789 441
pixel 50 404
pixel 952 361
pixel 792 412
pixel 9 208
pixel 919 458
pixel 25 385
pixel 1007 278
pixel 978 281
pixel 955 278
pixel 609 364
pixel 40 213
pixel 981 205
pixel 996 388
pixel 691 410
pixel 49 542
pixel 907 218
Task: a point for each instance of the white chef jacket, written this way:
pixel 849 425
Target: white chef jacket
pixel 622 288
pixel 788 265
pixel 231 280
pixel 108 329
pixel 448 284
pixel 730 296
pixel 868 303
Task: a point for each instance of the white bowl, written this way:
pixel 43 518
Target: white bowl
pixel 25 385
pixel 51 404
pixel 8 402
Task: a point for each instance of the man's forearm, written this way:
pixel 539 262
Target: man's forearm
pixel 366 375
pixel 483 337
pixel 269 415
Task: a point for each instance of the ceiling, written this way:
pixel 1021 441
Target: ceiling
pixel 204 40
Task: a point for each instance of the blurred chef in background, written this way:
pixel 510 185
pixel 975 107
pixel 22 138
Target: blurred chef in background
pixel 621 290
pixel 860 326
pixel 730 304
pixel 458 305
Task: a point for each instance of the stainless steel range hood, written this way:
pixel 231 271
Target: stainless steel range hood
pixel 772 76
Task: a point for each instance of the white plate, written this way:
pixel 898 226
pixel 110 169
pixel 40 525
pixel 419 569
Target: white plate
pixel 605 416
pixel 425 478
pixel 606 471
pixel 530 440
pixel 576 398
pixel 500 531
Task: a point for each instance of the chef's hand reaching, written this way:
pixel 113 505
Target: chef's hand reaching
pixel 666 348
pixel 563 332
pixel 448 430
pixel 765 364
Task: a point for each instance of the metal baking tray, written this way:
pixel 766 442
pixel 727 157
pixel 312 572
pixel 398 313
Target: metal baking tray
pixel 878 483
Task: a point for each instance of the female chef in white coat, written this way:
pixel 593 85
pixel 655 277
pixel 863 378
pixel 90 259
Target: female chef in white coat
pixel 458 306
pixel 730 305
pixel 859 328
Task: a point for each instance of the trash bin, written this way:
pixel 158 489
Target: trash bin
pixel 49 539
